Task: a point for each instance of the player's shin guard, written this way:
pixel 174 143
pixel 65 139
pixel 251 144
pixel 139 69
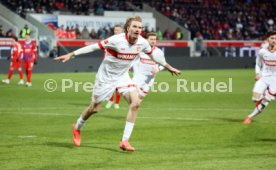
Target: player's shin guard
pixel 259 108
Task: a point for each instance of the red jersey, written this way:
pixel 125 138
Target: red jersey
pixel 29 51
pixel 16 52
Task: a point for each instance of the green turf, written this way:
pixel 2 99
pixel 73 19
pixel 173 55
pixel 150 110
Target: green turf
pixel 173 130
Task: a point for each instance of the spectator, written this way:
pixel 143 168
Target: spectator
pixel 159 34
pixel 167 35
pixel 2 34
pixel 93 34
pixel 72 33
pixel 24 31
pixel 54 52
pixel 78 33
pixel 10 33
pixel 177 35
pixel 85 33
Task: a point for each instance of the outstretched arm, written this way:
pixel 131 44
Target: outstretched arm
pixel 83 50
pixel 162 61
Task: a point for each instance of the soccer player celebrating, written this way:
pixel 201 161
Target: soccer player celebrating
pixel 265 87
pixel 145 69
pixel 121 50
pixel 29 57
pixel 15 62
pixel 117 30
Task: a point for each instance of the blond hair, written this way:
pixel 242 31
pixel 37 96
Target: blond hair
pixel 129 20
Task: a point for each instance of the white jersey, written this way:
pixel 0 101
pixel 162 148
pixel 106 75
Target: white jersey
pixel 266 63
pixel 119 55
pixel 265 44
pixel 146 64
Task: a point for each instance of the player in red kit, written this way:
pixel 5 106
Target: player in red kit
pixel 15 62
pixel 29 57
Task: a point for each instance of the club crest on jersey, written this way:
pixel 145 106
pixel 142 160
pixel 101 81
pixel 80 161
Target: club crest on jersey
pixel 138 49
pixel 105 41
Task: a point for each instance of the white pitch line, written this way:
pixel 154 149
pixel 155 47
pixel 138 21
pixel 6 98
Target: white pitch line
pixel 175 118
pixel 141 117
pixel 28 136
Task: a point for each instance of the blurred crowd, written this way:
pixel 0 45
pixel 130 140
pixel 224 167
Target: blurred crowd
pixel 221 19
pixel 78 7
pixel 10 32
pixel 211 19
pixel 74 32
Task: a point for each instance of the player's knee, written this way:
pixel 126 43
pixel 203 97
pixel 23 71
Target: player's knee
pixel 135 105
pixel 11 69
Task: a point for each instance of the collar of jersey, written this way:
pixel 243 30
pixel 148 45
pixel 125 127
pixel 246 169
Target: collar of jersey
pixel 129 41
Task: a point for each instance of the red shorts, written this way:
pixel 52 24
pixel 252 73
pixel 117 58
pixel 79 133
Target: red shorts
pixel 15 64
pixel 28 65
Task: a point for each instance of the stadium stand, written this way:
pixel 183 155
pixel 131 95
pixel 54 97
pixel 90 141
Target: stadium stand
pixel 221 19
pixel 214 19
pixel 208 21
pixel 87 7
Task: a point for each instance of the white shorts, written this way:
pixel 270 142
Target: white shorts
pixel 266 86
pixel 125 85
pixel 144 83
pixel 103 91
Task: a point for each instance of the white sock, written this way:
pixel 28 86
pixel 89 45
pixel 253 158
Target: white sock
pixel 80 123
pixel 258 109
pixel 128 130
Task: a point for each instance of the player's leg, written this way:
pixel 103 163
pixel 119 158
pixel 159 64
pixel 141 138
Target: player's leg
pixel 29 73
pixel 21 81
pixel 7 81
pixel 93 108
pixel 101 92
pixel 26 69
pixel 260 97
pixel 134 103
pixel 110 102
pixel 117 101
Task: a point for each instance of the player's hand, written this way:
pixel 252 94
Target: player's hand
pixel 257 77
pixel 65 57
pixel 173 70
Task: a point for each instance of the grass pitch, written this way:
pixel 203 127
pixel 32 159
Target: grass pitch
pixel 174 130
